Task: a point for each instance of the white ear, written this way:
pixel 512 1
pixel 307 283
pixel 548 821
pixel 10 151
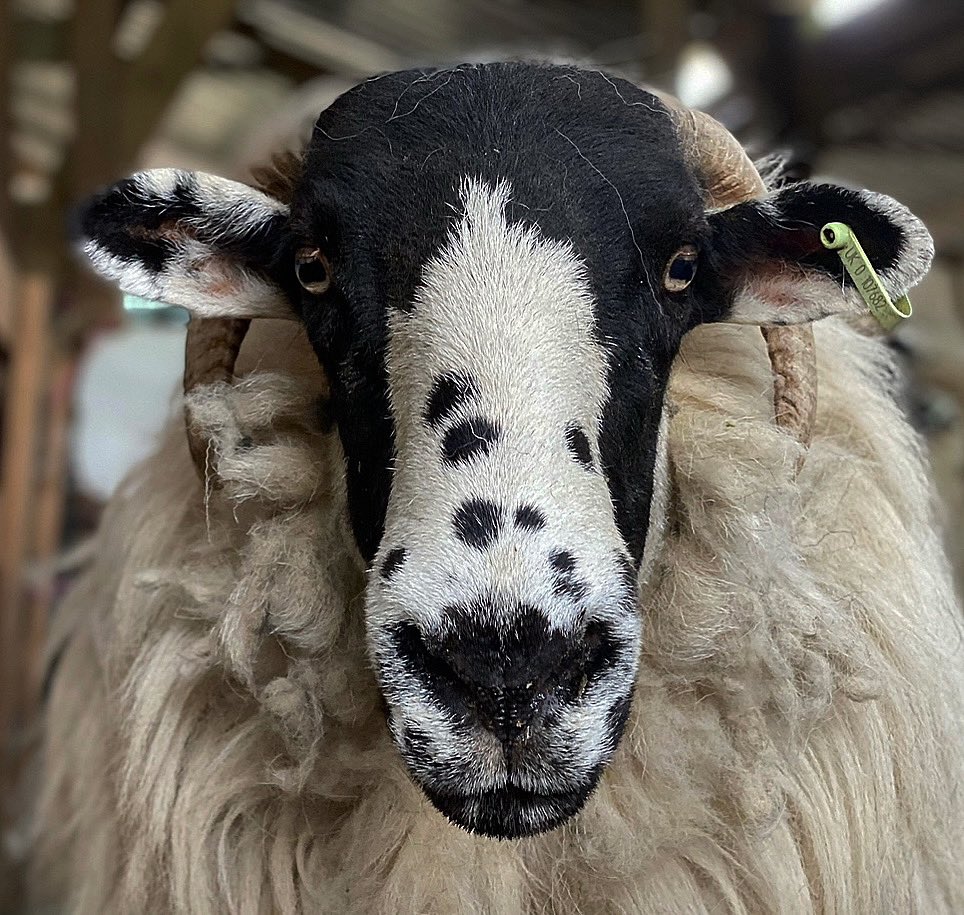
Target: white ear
pixel 211 245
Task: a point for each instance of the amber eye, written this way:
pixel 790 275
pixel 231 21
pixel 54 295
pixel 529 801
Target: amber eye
pixel 313 270
pixel 681 269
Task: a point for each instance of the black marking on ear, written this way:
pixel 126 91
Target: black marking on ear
pixel 145 224
pixel 128 220
pixel 564 574
pixel 468 439
pixel 393 562
pixel 477 522
pixel 449 391
pixel 578 444
pixel 529 518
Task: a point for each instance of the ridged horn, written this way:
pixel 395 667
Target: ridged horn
pixel 210 353
pixel 212 345
pixel 728 177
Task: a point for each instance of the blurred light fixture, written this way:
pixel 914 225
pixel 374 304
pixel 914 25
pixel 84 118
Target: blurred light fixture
pixel 832 13
pixel 703 76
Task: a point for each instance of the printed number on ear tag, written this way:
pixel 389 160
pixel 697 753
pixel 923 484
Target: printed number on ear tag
pixel 839 237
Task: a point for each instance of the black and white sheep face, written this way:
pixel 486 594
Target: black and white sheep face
pixel 494 267
pixel 502 613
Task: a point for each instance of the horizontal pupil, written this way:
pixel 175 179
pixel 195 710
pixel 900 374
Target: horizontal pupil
pixel 682 268
pixel 312 272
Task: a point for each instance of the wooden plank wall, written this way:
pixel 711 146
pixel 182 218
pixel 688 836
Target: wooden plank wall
pixel 47 303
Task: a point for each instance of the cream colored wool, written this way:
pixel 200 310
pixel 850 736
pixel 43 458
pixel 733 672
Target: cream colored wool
pixel 215 742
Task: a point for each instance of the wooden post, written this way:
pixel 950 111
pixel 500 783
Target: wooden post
pixel 17 474
pixel 50 491
pixel 666 31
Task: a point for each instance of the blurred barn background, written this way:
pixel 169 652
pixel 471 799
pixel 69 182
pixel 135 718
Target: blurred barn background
pixel 865 91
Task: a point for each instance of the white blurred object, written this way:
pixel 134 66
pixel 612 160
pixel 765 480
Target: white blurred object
pixel 703 76
pixel 832 13
pixel 124 393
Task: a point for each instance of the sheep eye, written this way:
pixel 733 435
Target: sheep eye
pixel 681 269
pixel 313 270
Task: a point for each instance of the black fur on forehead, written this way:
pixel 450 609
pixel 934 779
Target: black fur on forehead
pixel 591 160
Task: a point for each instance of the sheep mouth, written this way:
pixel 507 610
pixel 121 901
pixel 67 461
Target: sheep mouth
pixel 511 812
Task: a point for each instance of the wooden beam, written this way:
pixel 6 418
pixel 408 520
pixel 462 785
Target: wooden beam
pixel 153 79
pixel 665 27
pixel 906 46
pixel 6 118
pixel 7 292
pixel 92 157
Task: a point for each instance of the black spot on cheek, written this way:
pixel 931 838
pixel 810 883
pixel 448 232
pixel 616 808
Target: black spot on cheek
pixel 393 562
pixel 529 518
pixel 449 391
pixel 477 522
pixel 469 438
pixel 578 444
pixel 566 584
pixel 562 561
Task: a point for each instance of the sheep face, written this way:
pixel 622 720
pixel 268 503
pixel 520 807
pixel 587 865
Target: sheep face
pixel 498 342
pixel 496 265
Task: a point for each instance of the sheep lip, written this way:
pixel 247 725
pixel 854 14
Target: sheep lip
pixel 511 812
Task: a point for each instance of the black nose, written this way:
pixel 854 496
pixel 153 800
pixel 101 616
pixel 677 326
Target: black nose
pixel 506 678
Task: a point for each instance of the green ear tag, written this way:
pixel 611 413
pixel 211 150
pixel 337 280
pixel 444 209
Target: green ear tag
pixel 136 303
pixel 838 237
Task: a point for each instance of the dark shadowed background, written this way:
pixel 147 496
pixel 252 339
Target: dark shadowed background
pixel 869 92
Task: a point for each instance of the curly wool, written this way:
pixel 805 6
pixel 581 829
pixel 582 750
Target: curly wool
pixel 215 740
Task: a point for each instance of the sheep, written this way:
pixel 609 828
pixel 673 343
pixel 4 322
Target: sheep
pixel 528 600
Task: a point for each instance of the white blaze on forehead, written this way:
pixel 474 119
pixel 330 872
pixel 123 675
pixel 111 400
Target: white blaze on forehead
pixel 512 309
pixel 513 312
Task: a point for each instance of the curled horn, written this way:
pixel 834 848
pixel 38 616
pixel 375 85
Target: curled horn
pixel 210 352
pixel 212 344
pixel 728 177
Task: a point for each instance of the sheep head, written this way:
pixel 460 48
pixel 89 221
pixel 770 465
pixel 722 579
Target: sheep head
pixel 496 265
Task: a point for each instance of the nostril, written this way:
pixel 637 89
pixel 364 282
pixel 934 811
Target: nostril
pixel 592 655
pixel 599 650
